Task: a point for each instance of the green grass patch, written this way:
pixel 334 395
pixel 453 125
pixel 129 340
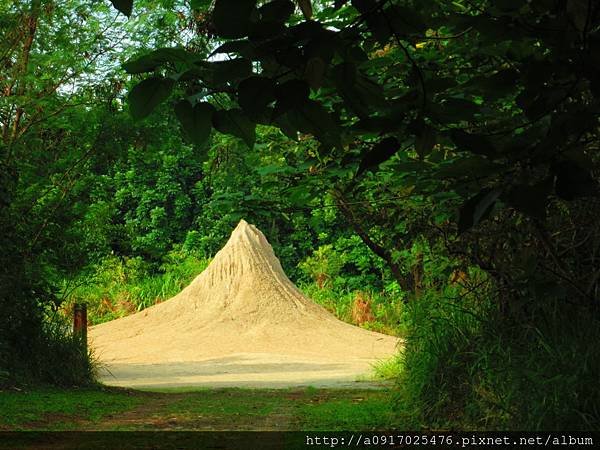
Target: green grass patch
pixel 348 411
pixel 58 409
pixel 389 369
pixel 208 409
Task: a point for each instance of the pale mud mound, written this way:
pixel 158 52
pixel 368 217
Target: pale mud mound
pixel 240 322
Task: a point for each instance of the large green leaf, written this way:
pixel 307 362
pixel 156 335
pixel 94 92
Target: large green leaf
pixel 231 70
pixel 405 20
pixel 219 73
pixel 273 168
pixel 254 94
pixel 381 152
pixel 314 72
pixel 477 208
pixel 530 199
pixel 157 58
pixel 454 110
pixel 312 117
pixel 277 10
pixel 123 6
pixel 236 123
pixel 195 120
pixel 242 47
pixel 479 145
pixel 231 18
pixel 286 126
pixel 378 124
pixel 148 94
pixel 378 23
pixel 264 30
pixel 493 87
pixel 424 141
pixel 360 94
pixel 291 95
pixel 345 76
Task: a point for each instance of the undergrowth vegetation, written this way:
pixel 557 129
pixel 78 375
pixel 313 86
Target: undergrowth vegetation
pixel 469 367
pixel 55 356
pixel 121 286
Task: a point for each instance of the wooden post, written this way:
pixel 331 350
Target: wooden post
pixel 80 323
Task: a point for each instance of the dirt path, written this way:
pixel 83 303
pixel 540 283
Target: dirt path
pixel 204 411
pixel 235 413
pixel 238 410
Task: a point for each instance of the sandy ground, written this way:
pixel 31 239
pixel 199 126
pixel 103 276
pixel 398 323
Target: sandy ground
pixel 245 370
pixel 241 322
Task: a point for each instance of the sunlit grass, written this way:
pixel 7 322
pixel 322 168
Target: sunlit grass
pixel 389 369
pixel 228 408
pixel 52 408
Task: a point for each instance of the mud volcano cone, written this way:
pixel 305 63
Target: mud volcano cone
pixel 241 312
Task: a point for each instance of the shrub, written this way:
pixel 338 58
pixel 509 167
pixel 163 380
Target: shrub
pixel 55 356
pixel 323 266
pixel 361 308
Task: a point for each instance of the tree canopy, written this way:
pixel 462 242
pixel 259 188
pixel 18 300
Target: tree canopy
pixel 493 105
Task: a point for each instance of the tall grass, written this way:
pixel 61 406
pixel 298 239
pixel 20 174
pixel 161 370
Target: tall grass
pixel 466 366
pixel 388 310
pixel 556 368
pixel 389 369
pixel 54 356
pixel 119 287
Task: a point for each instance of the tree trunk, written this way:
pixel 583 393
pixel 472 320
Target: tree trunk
pixel 406 282
pixel 12 124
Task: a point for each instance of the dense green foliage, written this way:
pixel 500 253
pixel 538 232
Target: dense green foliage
pixel 62 128
pixel 428 169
